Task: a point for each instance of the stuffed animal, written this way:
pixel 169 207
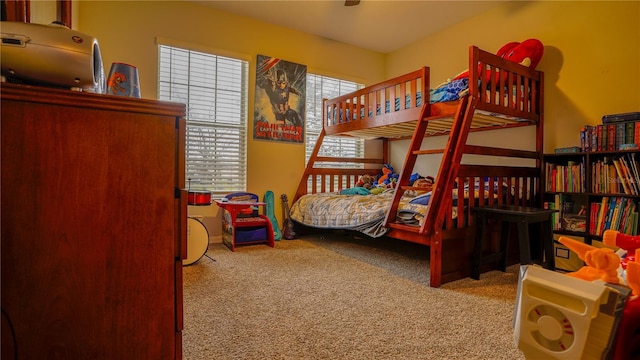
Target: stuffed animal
pixel 527 53
pixel 387 170
pixel 426 183
pixel 365 181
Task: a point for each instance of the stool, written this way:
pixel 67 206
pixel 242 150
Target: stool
pixel 506 215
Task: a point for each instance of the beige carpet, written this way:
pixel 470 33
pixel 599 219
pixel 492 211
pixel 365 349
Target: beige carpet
pixel 334 296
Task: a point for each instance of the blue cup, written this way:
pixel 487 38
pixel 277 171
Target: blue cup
pixel 123 80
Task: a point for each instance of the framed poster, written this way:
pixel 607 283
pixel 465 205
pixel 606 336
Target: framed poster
pixel 279 112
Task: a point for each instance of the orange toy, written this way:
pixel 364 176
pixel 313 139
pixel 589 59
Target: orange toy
pixel 601 263
pixel 628 338
pixel 387 170
pixel 628 242
pixel 633 274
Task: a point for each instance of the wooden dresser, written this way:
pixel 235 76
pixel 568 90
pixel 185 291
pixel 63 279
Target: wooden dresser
pixel 93 225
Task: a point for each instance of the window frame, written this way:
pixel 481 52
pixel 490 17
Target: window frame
pixel 217 162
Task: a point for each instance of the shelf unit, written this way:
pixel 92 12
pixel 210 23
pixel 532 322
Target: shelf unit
pixel 593 191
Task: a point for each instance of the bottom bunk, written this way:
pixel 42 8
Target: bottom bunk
pixel 450 238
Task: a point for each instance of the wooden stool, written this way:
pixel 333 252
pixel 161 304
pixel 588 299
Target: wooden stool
pixel 523 217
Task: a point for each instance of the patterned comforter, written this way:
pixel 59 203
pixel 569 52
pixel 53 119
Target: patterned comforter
pixel 363 213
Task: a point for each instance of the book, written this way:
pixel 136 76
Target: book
pixel 611 137
pixel 593 219
pixel 629 132
pixel 617 213
pixel 601 214
pixel 628 174
pixel 610 209
pixel 568 149
pixel 599 137
pixel 613 118
pixel 594 138
pixel 634 170
pixel 628 146
pixel 621 176
pixel 621 129
pixel 625 215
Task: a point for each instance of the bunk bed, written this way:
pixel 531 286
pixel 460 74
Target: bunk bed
pixel 397 109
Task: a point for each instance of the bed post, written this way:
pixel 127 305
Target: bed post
pixel 385 151
pixel 540 137
pixel 435 259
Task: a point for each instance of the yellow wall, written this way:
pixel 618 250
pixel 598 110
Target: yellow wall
pixel 592 52
pixel 591 60
pixel 127 32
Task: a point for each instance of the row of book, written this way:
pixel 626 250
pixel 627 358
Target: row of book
pixel 565 178
pixel 614 213
pixel 617 132
pixel 616 174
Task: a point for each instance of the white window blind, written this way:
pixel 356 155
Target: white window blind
pixel 214 89
pixel 322 87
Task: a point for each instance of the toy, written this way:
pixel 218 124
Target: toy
pixel 387 171
pixel 604 264
pixel 426 183
pixel 527 53
pixel 365 181
pixel 633 274
pixel 601 263
pixel 630 243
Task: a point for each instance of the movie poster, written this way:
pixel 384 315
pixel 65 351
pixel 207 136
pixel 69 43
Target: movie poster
pixel 279 112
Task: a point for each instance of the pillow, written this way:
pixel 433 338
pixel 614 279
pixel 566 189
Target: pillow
pixel 421 199
pixel 527 53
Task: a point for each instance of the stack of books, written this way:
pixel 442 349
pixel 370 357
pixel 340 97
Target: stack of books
pixel 617 132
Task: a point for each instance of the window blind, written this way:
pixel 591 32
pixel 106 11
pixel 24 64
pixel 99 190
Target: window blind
pixel 215 90
pixel 322 87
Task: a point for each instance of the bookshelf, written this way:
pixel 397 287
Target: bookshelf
pixel 593 192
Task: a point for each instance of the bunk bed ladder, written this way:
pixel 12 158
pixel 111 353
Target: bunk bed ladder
pixel 302 186
pixel 452 154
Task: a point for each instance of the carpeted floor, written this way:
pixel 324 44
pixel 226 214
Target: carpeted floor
pixel 336 296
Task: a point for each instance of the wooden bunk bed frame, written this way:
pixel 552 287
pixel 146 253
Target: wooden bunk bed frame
pixel 518 94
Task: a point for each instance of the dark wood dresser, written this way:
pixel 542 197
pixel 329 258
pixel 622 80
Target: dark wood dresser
pixel 93 225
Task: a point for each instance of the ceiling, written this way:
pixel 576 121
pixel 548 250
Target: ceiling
pixel 378 25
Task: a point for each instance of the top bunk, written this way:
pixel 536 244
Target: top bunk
pixel 503 93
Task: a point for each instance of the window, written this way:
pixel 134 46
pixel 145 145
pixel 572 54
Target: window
pixel 214 88
pixel 322 87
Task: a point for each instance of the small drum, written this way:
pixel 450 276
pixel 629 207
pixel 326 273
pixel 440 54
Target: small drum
pixel 200 197
pixel 197 241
